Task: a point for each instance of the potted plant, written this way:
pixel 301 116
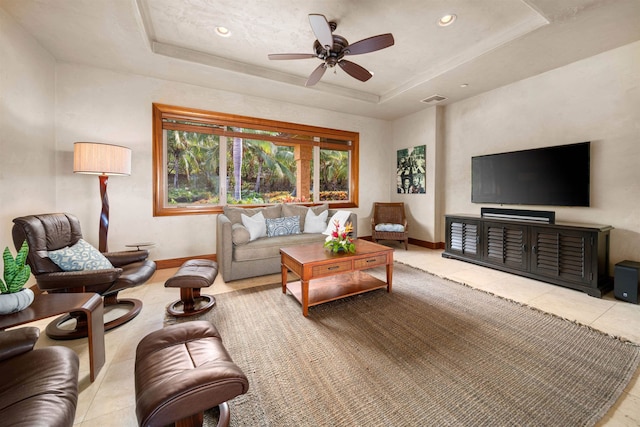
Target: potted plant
pixel 13 296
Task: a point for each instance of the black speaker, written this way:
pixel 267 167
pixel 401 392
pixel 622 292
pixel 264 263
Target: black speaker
pixel 627 281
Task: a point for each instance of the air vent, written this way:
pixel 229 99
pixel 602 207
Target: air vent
pixel 433 99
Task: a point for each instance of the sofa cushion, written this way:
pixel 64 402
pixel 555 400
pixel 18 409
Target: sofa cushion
pixel 301 211
pixel 269 247
pixel 255 224
pixel 234 213
pixel 239 234
pixel 315 223
pixel 284 226
pixel 81 256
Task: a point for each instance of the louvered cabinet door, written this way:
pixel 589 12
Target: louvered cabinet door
pixel 463 237
pixel 506 245
pixel 571 255
pixel 563 254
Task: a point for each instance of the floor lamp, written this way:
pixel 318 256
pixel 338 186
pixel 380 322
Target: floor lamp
pixel 103 160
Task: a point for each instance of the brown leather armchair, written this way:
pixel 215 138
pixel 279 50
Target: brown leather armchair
pixel 39 387
pixel 48 232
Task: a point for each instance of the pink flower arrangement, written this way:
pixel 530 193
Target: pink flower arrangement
pixel 339 240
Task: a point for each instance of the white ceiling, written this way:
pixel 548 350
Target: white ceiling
pixel 492 43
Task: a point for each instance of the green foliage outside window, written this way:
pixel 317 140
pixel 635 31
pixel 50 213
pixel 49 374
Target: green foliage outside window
pixel 204 160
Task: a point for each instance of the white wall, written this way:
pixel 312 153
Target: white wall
pixel 104 106
pixel 597 100
pixel 420 128
pixel 27 96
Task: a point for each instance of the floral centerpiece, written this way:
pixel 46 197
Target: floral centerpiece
pixel 339 239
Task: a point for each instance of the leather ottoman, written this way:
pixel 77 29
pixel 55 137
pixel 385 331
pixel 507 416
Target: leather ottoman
pixel 190 277
pixel 183 370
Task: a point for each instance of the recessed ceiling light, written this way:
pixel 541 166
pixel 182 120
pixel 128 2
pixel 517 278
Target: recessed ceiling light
pixel 446 20
pixel 223 31
pixel 464 85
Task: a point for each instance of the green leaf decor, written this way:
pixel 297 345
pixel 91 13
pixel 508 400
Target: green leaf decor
pixel 16 271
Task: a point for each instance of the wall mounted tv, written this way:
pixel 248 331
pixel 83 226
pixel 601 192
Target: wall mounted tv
pixel 554 176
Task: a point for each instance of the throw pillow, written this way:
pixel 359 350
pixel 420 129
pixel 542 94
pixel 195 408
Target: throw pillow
pixel 295 210
pixel 397 228
pixel 341 216
pixel 81 256
pixel 301 211
pixel 315 223
pixel 283 226
pixel 239 234
pixel 255 224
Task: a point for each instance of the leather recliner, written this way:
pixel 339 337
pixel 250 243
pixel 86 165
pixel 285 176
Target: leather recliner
pixel 39 387
pixel 48 232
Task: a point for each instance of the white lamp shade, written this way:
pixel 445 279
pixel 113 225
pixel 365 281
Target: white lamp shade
pixel 101 159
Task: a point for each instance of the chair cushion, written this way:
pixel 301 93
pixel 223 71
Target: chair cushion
pixel 398 228
pixel 283 226
pixel 315 223
pixel 194 273
pixel 81 256
pixel 255 224
pixel 45 232
pixel 40 387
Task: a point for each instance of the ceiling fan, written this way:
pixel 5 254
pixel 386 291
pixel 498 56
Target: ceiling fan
pixel 331 49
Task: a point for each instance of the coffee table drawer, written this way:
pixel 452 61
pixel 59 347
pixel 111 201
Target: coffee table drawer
pixel 328 269
pixel 370 262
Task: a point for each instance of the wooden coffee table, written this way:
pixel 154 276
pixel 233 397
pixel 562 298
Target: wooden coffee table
pixel 325 276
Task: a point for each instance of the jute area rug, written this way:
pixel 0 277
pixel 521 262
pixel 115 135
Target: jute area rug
pixel 432 353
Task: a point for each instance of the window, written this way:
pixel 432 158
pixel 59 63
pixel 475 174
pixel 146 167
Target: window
pixel 204 160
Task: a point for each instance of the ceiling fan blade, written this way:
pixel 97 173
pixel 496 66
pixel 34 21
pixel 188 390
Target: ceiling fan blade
pixel 322 30
pixel 355 70
pixel 291 55
pixel 370 45
pixel 316 75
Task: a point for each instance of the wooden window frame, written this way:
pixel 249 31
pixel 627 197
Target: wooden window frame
pixel 162 112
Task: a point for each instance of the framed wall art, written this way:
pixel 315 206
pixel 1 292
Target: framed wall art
pixel 411 170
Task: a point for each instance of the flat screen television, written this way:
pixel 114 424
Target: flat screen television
pixel 554 176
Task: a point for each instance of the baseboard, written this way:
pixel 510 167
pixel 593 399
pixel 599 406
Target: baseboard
pixel 421 243
pixel 425 244
pixel 177 262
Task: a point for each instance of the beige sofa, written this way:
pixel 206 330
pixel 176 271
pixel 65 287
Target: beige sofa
pixel 239 258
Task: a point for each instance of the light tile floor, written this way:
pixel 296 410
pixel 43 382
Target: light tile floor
pixel 110 401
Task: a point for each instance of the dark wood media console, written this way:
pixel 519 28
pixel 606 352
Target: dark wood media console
pixel 571 255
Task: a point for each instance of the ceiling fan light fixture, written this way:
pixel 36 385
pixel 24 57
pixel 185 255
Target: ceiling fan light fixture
pixel 331 49
pixel 223 31
pixel 446 20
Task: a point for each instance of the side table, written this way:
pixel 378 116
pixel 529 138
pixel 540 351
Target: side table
pixel 48 305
